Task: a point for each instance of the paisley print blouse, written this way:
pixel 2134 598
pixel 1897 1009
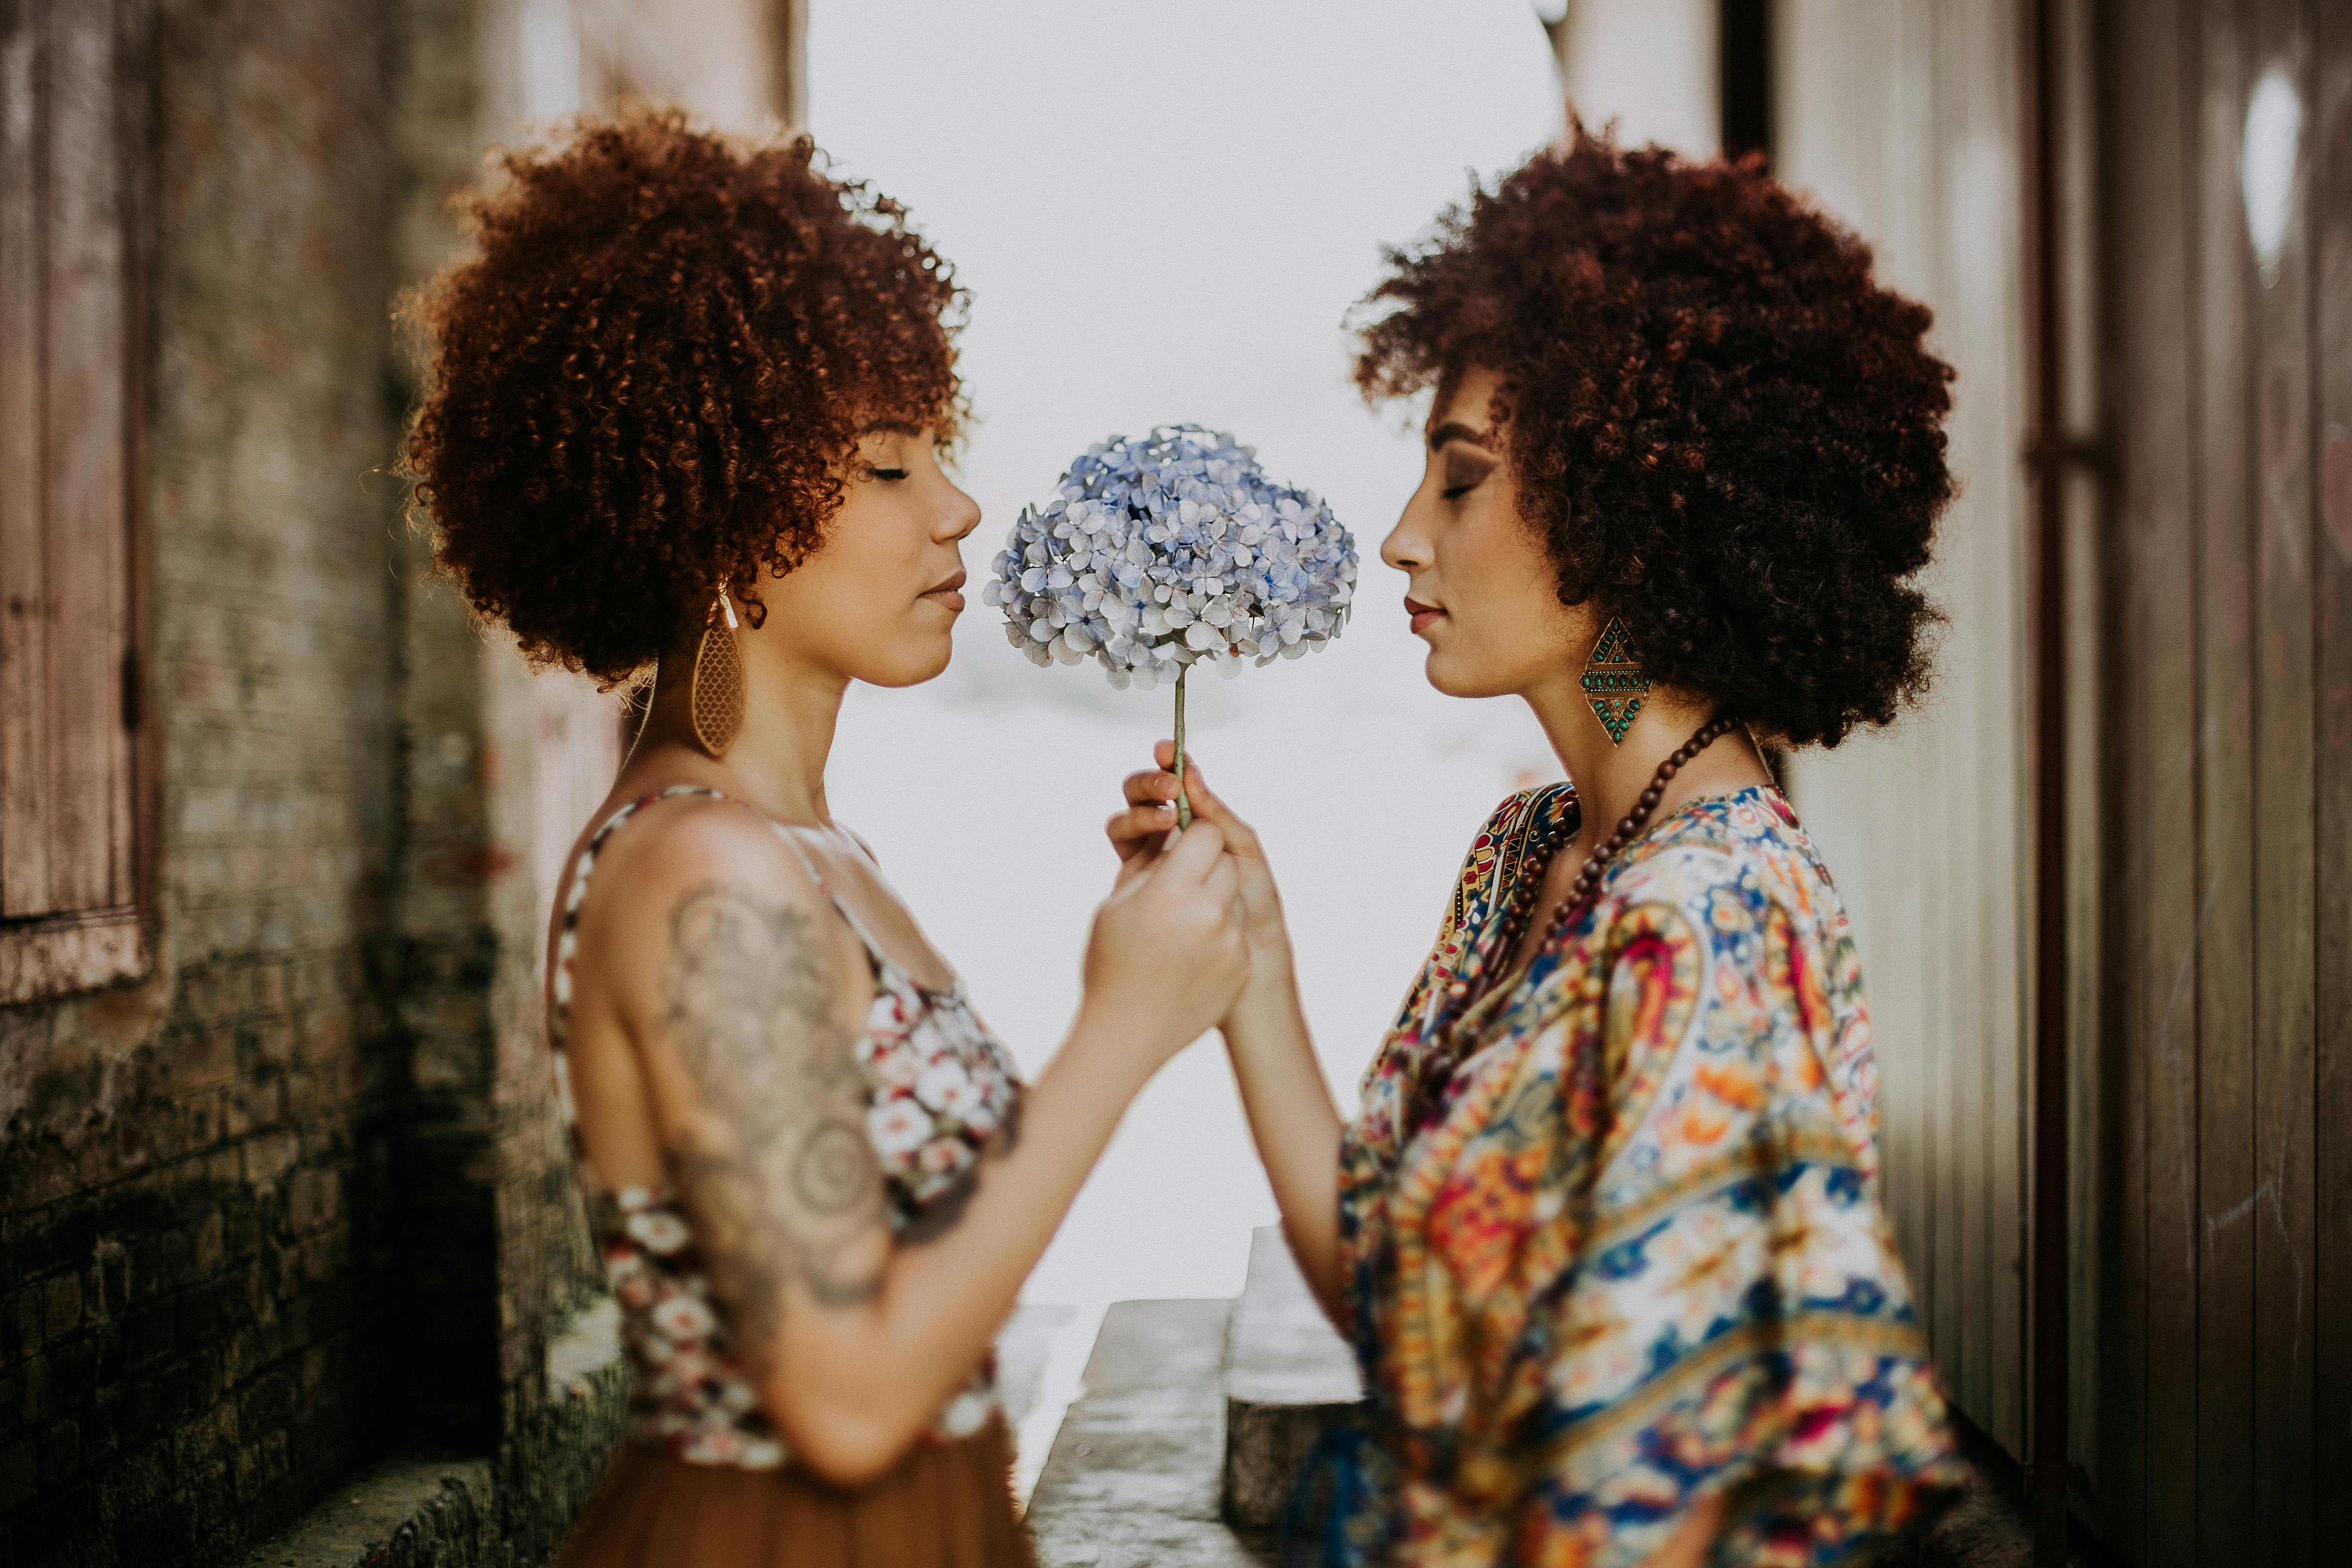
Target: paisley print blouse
pixel 1635 1256
pixel 938 1086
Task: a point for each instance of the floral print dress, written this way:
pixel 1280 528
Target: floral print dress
pixel 939 1086
pixel 1630 1254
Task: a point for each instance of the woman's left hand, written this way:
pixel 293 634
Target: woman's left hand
pixel 1282 1088
pixel 1138 831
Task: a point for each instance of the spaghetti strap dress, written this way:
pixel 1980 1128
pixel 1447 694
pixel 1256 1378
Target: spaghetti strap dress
pixel 702 1480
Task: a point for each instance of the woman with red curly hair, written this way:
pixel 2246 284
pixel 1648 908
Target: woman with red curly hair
pixel 685 412
pixel 1606 1230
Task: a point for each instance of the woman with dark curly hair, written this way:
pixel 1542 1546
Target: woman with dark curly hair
pixel 1606 1230
pixel 686 413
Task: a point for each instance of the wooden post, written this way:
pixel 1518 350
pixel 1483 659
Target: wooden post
pixel 2045 501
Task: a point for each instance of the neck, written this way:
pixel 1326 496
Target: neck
pixel 1611 776
pixel 777 761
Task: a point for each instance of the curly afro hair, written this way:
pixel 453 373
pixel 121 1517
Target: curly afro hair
pixel 648 380
pixel 1724 431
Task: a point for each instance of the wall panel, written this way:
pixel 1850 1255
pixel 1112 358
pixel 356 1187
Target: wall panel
pixel 1901 118
pixel 2146 1235
pixel 2207 231
pixel 2272 167
pixel 2222 125
pixel 2330 211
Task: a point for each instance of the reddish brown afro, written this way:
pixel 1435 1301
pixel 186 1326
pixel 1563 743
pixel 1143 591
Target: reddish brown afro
pixel 646 381
pixel 1727 433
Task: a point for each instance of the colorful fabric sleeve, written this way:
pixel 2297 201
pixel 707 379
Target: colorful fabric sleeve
pixel 1734 1319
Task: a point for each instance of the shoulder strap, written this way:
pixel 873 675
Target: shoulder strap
pixel 567 940
pixel 559 1018
pixel 873 949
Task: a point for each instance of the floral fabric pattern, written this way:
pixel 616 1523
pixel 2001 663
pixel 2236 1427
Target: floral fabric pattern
pixel 1635 1258
pixel 939 1086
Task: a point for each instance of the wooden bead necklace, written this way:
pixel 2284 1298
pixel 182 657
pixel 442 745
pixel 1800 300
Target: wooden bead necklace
pixel 1587 886
pixel 1581 893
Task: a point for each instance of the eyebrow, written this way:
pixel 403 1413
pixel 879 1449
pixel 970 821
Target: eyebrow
pixel 1454 430
pixel 889 427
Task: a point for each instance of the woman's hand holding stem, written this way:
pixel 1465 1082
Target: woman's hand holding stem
pixel 1289 1105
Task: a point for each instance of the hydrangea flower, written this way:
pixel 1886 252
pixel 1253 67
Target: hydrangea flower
pixel 1159 552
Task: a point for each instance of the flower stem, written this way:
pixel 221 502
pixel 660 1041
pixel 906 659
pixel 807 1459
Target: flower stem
pixel 1183 806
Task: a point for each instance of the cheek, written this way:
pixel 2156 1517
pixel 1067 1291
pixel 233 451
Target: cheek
pixel 842 599
pixel 1503 586
pixel 871 562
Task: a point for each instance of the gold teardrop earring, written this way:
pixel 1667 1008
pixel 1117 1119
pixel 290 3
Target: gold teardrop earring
pixel 1615 681
pixel 715 694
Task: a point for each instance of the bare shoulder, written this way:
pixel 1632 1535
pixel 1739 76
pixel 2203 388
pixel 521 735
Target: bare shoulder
pixel 692 873
pixel 682 841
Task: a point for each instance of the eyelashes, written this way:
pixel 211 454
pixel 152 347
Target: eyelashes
pixel 1459 484
pixel 1464 470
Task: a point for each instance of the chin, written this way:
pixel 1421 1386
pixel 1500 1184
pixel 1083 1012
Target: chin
pixel 1458 676
pixel 915 660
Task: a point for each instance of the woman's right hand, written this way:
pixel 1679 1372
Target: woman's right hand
pixel 1137 833
pixel 1169 952
pixel 1283 1092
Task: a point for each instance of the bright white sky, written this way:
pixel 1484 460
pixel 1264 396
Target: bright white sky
pixel 1163 212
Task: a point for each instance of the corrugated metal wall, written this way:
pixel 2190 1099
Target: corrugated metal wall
pixel 1901 116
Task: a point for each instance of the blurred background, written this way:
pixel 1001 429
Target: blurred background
pixel 287 1225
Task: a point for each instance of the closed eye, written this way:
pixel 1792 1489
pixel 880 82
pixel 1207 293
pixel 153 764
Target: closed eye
pixel 889 473
pixel 1464 471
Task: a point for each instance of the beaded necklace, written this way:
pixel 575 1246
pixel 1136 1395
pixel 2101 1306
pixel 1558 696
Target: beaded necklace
pixel 1437 1069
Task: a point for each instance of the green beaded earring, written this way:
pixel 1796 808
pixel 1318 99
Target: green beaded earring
pixel 1615 681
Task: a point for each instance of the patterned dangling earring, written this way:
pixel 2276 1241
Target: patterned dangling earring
pixel 1615 681
pixel 715 695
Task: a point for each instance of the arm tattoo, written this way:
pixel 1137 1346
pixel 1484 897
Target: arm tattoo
pixel 779 1173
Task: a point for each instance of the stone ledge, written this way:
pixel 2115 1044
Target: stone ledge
pixel 1289 1378
pixel 1133 1478
pixel 403 1514
pixel 412 1513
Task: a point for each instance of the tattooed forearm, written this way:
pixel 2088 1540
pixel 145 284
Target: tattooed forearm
pixel 778 1170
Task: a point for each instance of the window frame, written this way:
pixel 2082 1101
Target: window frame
pixel 63 952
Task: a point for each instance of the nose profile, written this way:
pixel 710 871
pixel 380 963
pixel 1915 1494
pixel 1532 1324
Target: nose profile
pixel 1406 548
pixel 961 516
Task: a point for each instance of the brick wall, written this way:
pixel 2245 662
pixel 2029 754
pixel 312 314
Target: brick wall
pixel 297 1202
pixel 287 1230
pixel 193 1178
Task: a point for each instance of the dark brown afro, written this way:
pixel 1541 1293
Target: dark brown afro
pixel 1724 431
pixel 649 379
